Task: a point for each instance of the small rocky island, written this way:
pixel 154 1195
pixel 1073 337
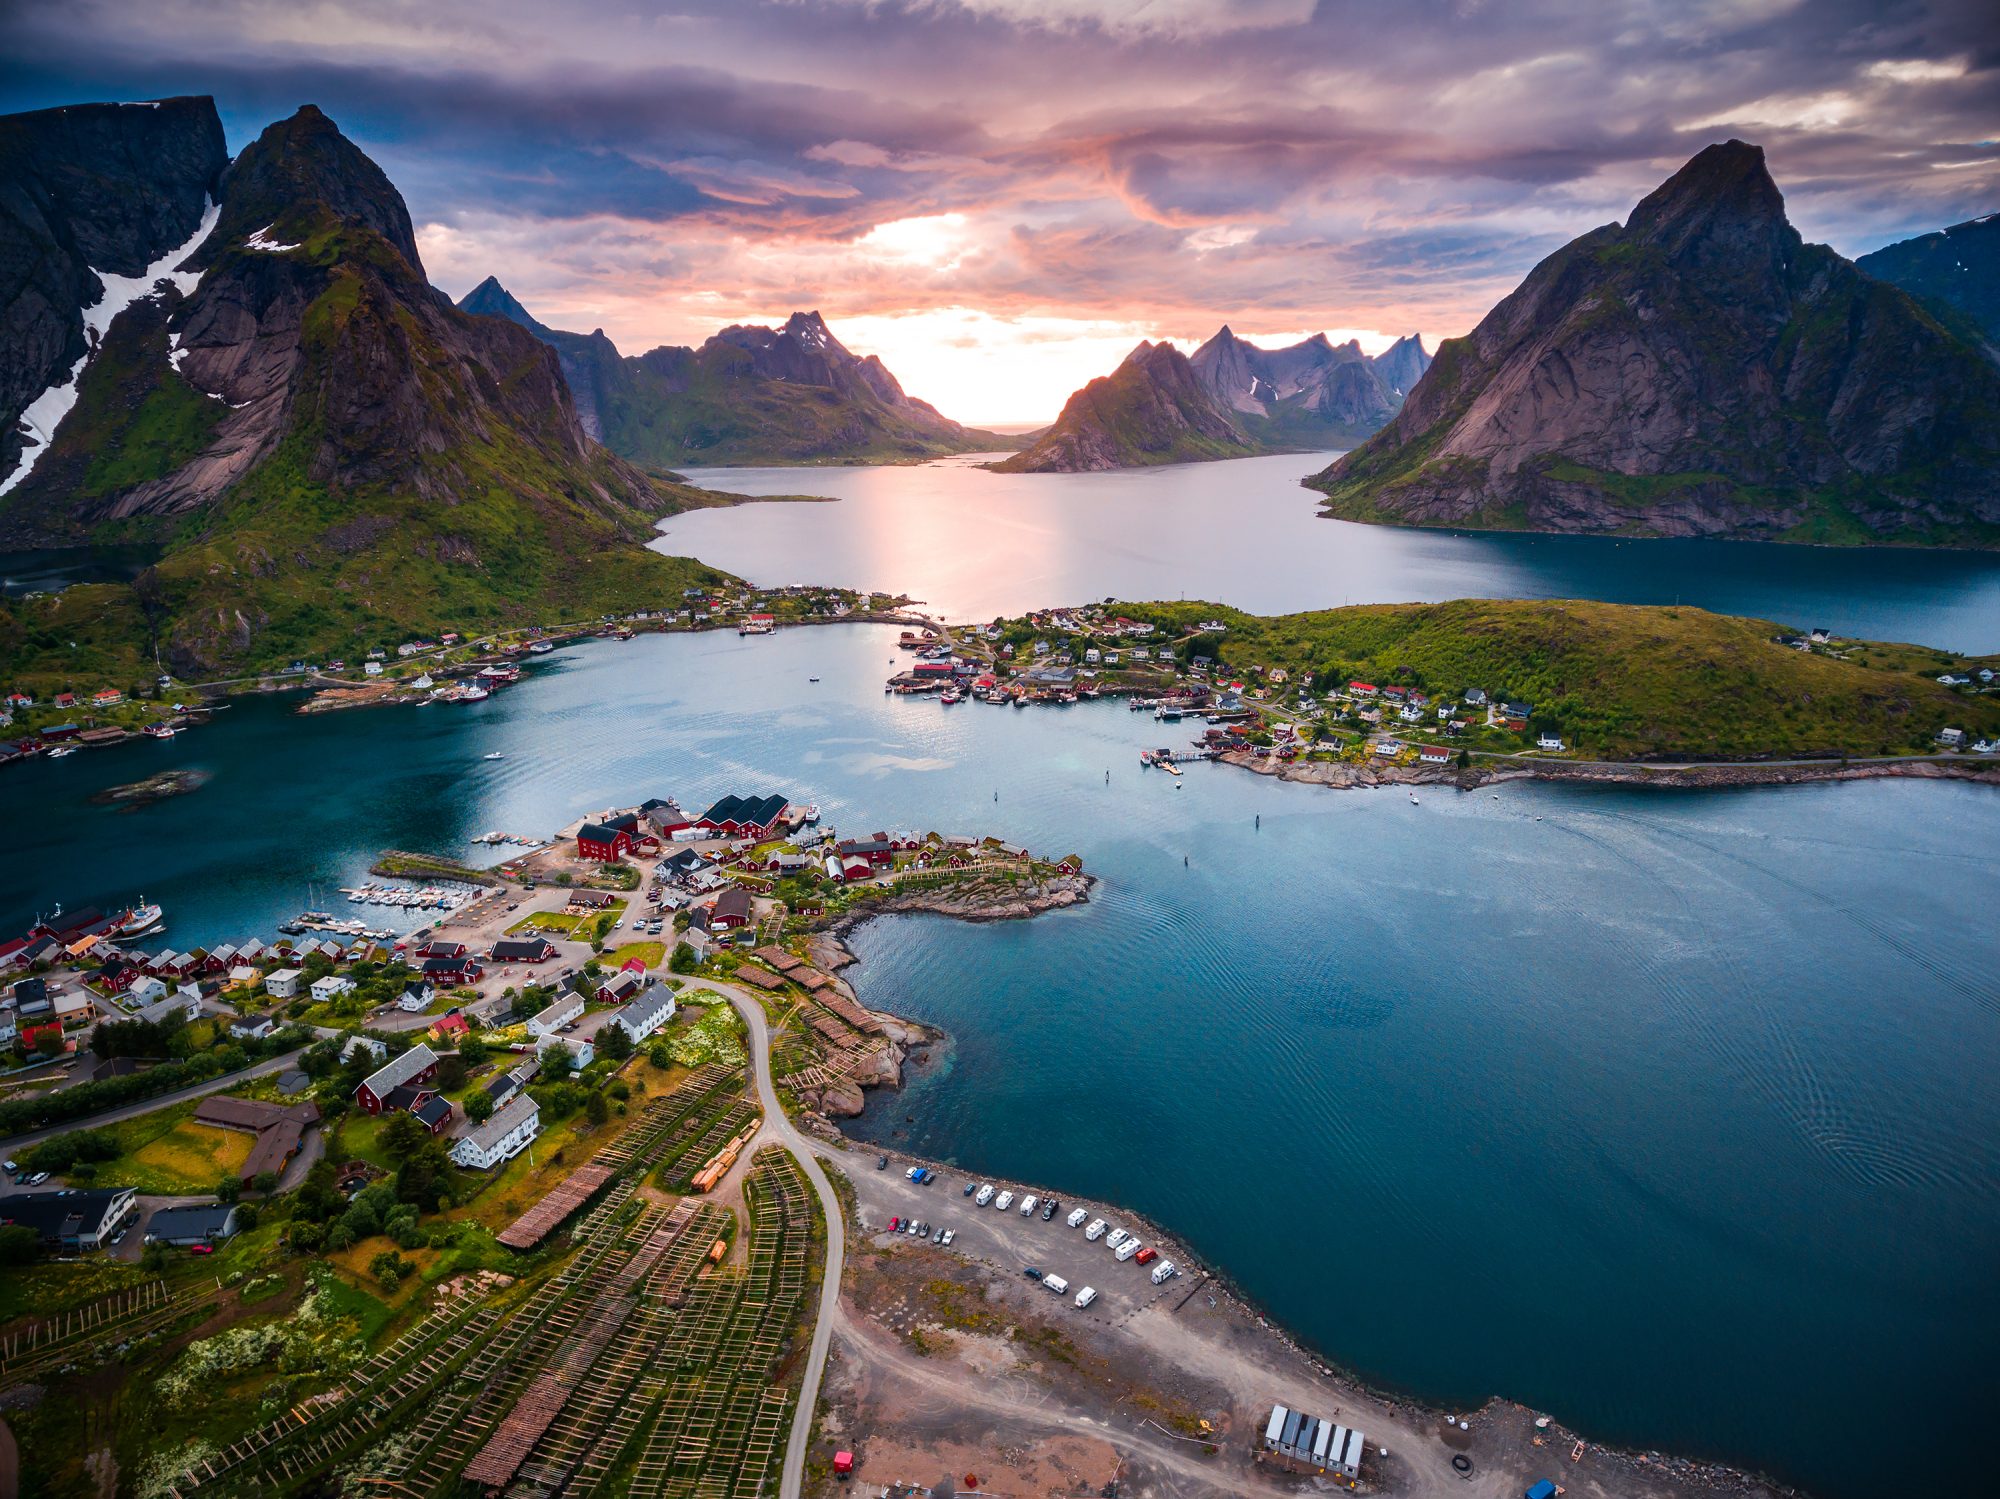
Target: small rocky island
pixel 155 788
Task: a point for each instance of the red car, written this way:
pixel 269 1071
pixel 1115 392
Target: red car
pixel 895 1225
pixel 201 1249
pixel 1146 1256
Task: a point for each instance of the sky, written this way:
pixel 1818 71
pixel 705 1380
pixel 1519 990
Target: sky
pixel 1000 197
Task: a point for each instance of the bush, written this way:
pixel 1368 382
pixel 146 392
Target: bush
pixel 597 1111
pixel 389 1268
pixel 19 1245
pixel 64 1151
pixel 683 960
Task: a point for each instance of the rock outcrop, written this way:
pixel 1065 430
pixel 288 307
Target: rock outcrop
pixel 750 394
pixel 1699 370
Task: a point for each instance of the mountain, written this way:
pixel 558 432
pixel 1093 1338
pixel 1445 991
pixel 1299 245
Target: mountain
pixel 749 394
pixel 1309 394
pixel 1230 399
pixel 1700 370
pixel 328 453
pixel 1957 268
pixel 95 201
pixel 1152 409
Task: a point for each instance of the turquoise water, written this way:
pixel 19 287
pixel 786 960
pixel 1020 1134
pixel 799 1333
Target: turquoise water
pixel 974 545
pixel 1671 1114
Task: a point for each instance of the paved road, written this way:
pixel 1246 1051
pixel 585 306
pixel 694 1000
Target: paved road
pixel 280 1063
pixel 779 1129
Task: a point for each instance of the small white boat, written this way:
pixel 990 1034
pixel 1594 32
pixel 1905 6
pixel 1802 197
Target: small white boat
pixel 60 750
pixel 1413 799
pixel 496 755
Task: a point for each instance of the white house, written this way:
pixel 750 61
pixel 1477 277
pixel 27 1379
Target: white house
pixel 1951 738
pixel 252 1027
pixel 652 1009
pixel 145 989
pixel 500 1138
pixel 179 1002
pixel 1549 741
pixel 379 1050
pixel 568 1006
pixel 416 997
pixel 283 983
pixel 330 988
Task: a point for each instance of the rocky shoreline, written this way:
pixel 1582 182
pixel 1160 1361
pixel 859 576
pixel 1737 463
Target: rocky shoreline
pixel 910 1041
pixel 1345 776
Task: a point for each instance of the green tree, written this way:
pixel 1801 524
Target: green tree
pixel 683 960
pixel 424 1178
pixel 479 1106
pixel 389 1268
pixel 19 1245
pixel 614 1042
pixel 597 1111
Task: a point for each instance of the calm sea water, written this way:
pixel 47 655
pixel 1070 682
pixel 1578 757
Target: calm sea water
pixel 974 544
pixel 1671 1114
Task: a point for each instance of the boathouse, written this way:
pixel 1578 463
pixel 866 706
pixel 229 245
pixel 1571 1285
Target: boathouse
pixel 745 817
pixel 603 844
pixel 731 909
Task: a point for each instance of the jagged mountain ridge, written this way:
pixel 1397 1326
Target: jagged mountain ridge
pixel 87 192
pixel 323 441
pixel 1700 370
pixel 749 394
pixel 1230 399
pixel 1956 268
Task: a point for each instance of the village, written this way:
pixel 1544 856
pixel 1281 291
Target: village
pixel 58 719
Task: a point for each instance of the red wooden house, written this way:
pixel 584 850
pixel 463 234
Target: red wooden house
pixel 397 1082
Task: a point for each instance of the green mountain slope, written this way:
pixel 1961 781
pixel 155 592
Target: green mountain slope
pixel 329 453
pixel 749 395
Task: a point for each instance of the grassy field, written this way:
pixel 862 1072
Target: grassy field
pixel 167 1152
pixel 651 953
pixel 555 923
pixel 1619 681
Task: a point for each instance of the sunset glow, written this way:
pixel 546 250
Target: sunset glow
pixel 1000 197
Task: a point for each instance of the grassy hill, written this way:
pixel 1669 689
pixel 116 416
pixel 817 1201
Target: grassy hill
pixel 1620 681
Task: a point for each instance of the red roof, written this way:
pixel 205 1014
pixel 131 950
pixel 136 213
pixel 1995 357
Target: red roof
pixel 1360 686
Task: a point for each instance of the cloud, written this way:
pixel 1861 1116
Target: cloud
pixel 1068 168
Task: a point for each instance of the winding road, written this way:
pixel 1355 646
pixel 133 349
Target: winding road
pixel 779 1129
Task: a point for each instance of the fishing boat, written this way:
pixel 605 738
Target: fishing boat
pixel 495 755
pixel 540 648
pixel 141 920
pixel 160 731
pixel 950 696
pixel 60 750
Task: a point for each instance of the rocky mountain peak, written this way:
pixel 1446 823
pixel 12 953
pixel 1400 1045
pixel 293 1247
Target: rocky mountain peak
pixel 300 166
pixel 491 299
pixel 1720 211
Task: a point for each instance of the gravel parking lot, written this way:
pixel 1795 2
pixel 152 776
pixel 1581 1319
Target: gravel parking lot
pixel 1009 1242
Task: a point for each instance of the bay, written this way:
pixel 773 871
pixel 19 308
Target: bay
pixel 1671 1114
pixel 973 545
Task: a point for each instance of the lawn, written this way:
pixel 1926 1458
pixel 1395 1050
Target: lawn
pixel 652 953
pixel 166 1151
pixel 555 922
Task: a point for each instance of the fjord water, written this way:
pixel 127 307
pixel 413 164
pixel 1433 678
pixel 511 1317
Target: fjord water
pixel 973 545
pixel 1672 1114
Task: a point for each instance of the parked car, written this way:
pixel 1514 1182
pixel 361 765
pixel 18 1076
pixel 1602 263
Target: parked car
pixel 1075 1219
pixel 1164 1272
pixel 1032 1273
pixel 1087 1295
pixel 895 1225
pixel 881 1163
pixel 969 1189
pixel 938 1237
pixel 949 1235
pixel 1028 1205
pixel 37 1179
pixel 1055 1283
pixel 201 1249
pixel 1126 1250
pixel 13 1167
pixel 1095 1231
pixel 1146 1256
pixel 985 1196
pixel 1049 1209
pixel 1116 1237
pixel 1004 1201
